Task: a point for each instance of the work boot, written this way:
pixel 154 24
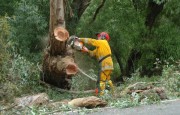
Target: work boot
pixel 102 88
pixel 111 86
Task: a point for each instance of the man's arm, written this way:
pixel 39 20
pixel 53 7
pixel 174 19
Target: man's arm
pixel 90 41
pixel 92 53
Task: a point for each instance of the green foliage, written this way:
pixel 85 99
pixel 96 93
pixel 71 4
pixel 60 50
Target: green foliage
pixel 43 8
pixel 160 1
pixel 24 70
pixel 28 26
pixel 120 18
pixel 125 102
pixel 125 22
pixel 4 34
pixel 171 79
pixel 172 11
pixel 8 7
pixel 17 75
pixel 21 76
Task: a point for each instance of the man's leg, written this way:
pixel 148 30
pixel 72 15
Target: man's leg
pixel 105 77
pixel 108 73
pixel 102 83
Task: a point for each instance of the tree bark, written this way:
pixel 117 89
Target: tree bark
pixel 154 10
pixel 131 62
pixel 76 10
pixel 80 6
pixel 122 68
pixel 97 10
pixel 58 62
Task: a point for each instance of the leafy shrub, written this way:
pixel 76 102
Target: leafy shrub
pixel 4 33
pixel 171 79
pixel 28 25
pixel 22 77
pixel 23 69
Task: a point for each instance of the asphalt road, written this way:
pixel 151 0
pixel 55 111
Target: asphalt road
pixel 171 107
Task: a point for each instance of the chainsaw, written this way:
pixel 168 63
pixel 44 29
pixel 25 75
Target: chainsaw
pixel 74 42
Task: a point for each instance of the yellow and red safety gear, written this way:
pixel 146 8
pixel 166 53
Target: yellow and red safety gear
pixel 102 50
pixel 103 35
pixel 103 54
pixel 105 79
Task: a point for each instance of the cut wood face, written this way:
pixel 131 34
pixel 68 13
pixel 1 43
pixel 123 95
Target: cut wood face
pixel 71 69
pixel 61 34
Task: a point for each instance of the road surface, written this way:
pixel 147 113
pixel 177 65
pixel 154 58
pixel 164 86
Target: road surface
pixel 164 108
pixel 170 107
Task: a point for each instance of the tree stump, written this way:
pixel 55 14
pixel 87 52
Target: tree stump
pixel 58 62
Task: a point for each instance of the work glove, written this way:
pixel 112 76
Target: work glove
pixel 85 49
pixel 77 38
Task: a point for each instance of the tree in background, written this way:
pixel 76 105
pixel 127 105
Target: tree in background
pixel 8 7
pixel 139 34
pixel 28 27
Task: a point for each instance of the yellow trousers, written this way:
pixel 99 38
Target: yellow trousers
pixel 105 78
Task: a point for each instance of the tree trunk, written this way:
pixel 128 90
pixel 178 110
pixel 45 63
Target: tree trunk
pixel 122 69
pixel 154 10
pixel 79 6
pixel 58 62
pixel 76 10
pixel 131 62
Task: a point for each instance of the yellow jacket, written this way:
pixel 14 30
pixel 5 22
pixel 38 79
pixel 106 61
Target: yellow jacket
pixel 102 49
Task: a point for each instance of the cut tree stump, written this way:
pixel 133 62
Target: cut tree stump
pixel 58 62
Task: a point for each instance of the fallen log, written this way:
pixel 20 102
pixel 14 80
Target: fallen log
pixel 43 99
pixel 145 90
pixel 88 102
pixel 37 99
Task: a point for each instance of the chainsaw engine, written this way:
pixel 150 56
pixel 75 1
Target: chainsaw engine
pixel 76 44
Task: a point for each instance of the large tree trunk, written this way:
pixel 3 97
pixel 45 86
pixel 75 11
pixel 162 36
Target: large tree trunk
pixel 58 62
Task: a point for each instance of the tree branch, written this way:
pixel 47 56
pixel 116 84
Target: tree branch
pixel 67 91
pixel 93 79
pixel 97 10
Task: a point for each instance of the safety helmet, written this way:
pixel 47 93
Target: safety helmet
pixel 103 35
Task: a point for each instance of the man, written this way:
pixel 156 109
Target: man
pixel 103 54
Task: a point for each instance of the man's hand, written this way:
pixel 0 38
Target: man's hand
pixel 85 49
pixel 77 38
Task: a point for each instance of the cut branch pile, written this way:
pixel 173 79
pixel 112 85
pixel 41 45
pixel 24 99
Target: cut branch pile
pixel 42 99
pixel 145 90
